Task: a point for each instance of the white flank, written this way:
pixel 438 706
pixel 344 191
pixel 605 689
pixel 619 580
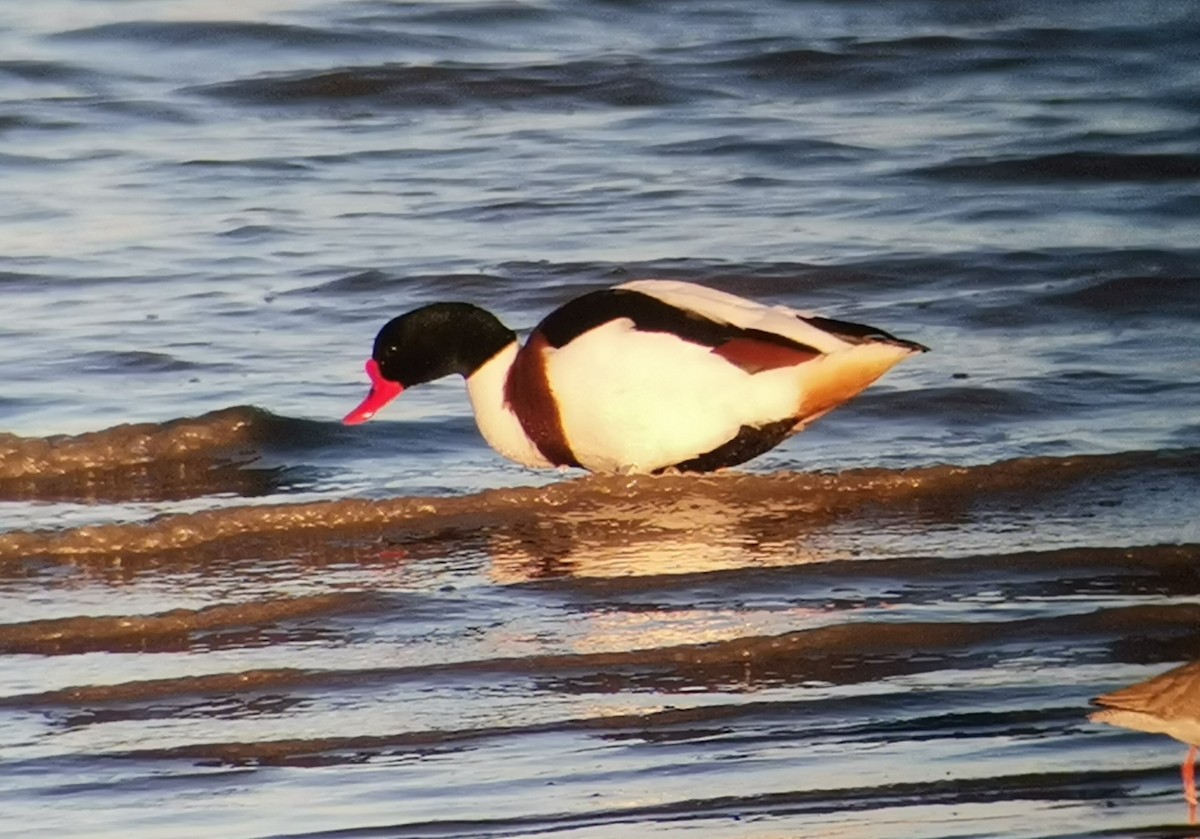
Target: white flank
pixel 635 401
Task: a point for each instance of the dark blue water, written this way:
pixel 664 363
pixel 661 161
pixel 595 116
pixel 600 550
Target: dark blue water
pixel 224 614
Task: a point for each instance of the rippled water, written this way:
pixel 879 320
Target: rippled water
pixel 224 614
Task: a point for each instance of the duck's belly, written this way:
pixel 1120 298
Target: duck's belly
pixel 632 401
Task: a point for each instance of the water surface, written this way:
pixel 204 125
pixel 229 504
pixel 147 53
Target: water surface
pixel 224 614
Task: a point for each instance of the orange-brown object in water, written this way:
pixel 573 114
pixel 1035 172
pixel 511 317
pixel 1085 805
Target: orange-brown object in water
pixel 1166 704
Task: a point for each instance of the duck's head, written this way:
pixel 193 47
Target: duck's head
pixel 426 344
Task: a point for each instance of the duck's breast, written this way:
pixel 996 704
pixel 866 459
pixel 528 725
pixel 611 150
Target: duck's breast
pixel 489 391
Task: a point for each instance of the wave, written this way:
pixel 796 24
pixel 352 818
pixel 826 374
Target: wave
pixel 239 433
pixel 125 445
pixel 215 33
pixel 673 723
pixel 612 81
pixel 1166 566
pixel 1018 280
pixel 602 507
pixel 32 70
pixel 177 459
pixel 837 587
pixel 1072 166
pixel 841 653
pixel 1169 296
pixel 171 630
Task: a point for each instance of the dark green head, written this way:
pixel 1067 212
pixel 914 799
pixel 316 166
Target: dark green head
pixel 426 344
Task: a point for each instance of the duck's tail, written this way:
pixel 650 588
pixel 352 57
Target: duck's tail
pixel 860 333
pixel 837 377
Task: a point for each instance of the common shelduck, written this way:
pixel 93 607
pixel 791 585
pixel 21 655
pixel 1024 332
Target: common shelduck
pixel 644 377
pixel 1168 703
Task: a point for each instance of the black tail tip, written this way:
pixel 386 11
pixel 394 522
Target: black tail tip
pixel 911 346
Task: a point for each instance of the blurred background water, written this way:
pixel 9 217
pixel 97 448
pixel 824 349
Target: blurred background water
pixel 224 614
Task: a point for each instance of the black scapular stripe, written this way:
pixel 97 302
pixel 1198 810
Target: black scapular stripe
pixel 649 314
pixel 858 333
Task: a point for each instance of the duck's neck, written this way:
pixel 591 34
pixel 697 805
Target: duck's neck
pixel 466 336
pixel 475 338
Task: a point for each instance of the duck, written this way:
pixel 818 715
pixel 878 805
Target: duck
pixel 645 377
pixel 1168 703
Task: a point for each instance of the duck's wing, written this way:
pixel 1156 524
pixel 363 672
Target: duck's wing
pixel 734 329
pixel 823 334
pixel 748 335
